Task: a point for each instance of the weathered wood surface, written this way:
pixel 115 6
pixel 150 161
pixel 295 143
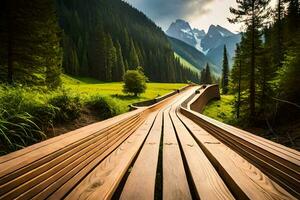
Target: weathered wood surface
pixel 163 151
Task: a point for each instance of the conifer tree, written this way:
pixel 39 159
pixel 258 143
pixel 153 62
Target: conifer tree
pixel 133 57
pixel 33 52
pixel 225 75
pixel 208 78
pixel 278 34
pixel 120 63
pixel 111 59
pixel 252 13
pixel 203 76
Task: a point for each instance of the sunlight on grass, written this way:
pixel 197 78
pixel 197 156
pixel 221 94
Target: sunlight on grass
pixel 87 87
pixel 221 110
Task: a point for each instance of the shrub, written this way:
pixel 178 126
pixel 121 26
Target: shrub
pixel 67 106
pixel 105 107
pixel 134 82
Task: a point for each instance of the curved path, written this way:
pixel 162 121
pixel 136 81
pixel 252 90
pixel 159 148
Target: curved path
pixel 165 151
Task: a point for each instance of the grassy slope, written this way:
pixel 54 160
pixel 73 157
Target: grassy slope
pixel 86 87
pixel 185 63
pixel 221 110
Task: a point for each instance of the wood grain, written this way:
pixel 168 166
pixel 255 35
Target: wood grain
pixel 244 179
pixel 175 184
pixel 207 182
pixel 103 180
pixel 140 183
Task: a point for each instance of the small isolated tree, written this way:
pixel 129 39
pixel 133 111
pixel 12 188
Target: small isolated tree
pixel 134 82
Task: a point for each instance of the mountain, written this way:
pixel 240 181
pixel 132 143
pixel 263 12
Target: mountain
pixel 182 30
pixel 211 44
pixel 102 39
pixel 192 55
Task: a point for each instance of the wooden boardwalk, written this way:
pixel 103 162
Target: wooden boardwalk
pixel 165 151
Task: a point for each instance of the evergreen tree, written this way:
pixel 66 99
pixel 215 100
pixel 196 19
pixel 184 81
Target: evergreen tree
pixel 208 78
pixel 203 80
pixel 32 45
pixel 252 13
pixel 225 75
pixel 120 64
pixel 133 57
pixel 111 58
pixel 278 35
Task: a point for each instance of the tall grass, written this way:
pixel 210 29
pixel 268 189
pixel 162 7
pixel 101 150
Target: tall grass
pixel 28 115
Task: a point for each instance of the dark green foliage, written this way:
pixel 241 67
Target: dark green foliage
pixel 289 76
pixel 206 77
pixel 104 107
pixel 276 71
pixel 134 82
pixel 30 48
pixel 68 106
pixel 252 13
pixel 120 66
pixel 225 74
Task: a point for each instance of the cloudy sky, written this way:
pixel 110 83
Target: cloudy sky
pixel 200 13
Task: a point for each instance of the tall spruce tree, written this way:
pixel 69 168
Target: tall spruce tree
pixel 208 78
pixel 120 63
pixel 32 45
pixel 133 57
pixel 252 13
pixel 202 80
pixel 278 35
pixel 225 72
pixel 111 58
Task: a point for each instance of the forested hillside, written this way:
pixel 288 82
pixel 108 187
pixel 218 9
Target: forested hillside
pixel 104 38
pixel 97 38
pixel 192 55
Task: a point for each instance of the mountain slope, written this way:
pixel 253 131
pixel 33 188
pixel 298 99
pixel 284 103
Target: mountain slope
pixel 186 63
pixel 104 38
pixel 211 44
pixel 192 55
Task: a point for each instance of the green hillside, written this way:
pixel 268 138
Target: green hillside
pixel 186 64
pixel 192 55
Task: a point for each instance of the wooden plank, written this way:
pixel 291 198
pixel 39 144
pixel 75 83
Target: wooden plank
pixel 63 186
pixel 207 182
pixel 104 179
pixel 43 171
pixel 244 179
pixel 277 149
pixel 45 178
pixel 90 128
pixel 285 172
pixel 48 152
pixel 175 184
pixel 140 183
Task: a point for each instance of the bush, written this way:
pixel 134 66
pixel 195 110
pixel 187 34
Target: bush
pixel 105 107
pixel 68 106
pixel 134 82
